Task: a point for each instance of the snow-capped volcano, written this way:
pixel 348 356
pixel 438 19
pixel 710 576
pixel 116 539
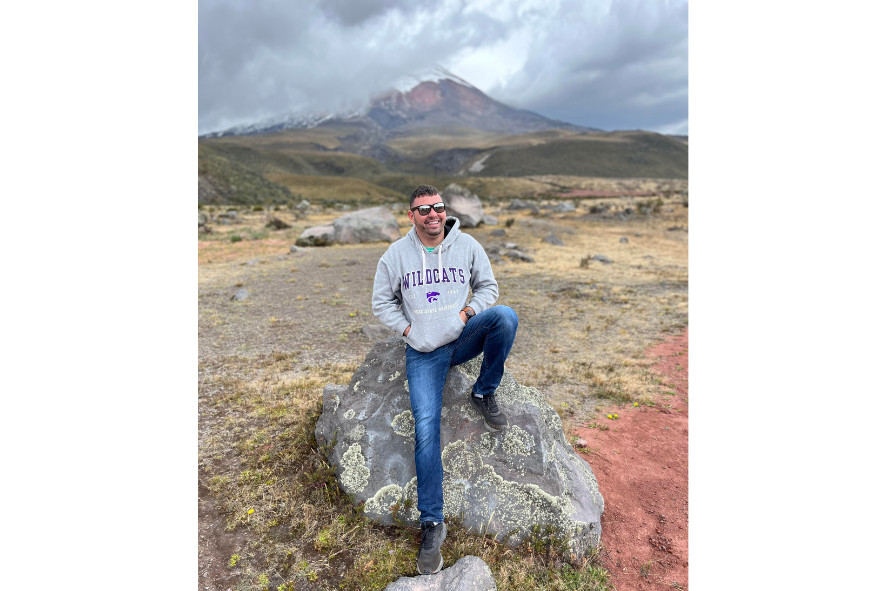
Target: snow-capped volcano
pixel 429 98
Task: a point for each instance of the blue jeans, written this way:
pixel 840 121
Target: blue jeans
pixel 490 332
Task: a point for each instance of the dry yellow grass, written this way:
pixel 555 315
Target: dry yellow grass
pixel 264 361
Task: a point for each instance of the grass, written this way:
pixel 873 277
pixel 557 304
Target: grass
pixel 634 155
pixel 281 522
pixel 329 190
pixel 261 466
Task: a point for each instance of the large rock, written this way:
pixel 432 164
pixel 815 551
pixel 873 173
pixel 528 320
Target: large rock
pixel 316 236
pixel 464 205
pixel 469 573
pixel 376 224
pixel 503 483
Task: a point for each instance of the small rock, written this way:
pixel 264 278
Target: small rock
pixel 553 239
pixel 623 240
pixel 469 573
pixel 498 232
pixel 277 224
pixel 520 204
pixel 565 207
pixel 518 256
pixel 240 295
pixel 602 258
pixel 581 442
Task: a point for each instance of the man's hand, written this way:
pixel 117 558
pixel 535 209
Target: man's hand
pixel 406 332
pixel 462 315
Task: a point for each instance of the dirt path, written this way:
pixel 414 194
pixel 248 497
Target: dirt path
pixel 641 464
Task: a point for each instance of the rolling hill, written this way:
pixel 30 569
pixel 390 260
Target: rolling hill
pixel 444 129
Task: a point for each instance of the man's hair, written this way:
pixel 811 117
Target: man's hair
pixel 422 191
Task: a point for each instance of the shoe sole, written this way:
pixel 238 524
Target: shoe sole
pixel 433 572
pixel 490 427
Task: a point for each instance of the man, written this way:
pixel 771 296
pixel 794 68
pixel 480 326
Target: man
pixel 422 288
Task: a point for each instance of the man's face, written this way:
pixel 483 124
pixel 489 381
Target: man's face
pixel 430 226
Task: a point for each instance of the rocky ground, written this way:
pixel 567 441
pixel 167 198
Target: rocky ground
pixel 587 338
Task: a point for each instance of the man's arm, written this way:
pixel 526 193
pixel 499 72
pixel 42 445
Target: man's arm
pixel 483 283
pixel 386 299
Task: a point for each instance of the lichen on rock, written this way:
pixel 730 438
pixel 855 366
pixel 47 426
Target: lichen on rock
pixel 355 474
pixel 404 424
pixel 505 483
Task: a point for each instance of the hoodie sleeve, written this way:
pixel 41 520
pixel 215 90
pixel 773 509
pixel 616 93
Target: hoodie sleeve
pixel 386 298
pixel 483 283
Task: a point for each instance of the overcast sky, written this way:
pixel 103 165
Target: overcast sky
pixel 609 64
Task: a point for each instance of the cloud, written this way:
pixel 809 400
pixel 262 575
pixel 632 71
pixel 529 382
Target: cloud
pixel 610 64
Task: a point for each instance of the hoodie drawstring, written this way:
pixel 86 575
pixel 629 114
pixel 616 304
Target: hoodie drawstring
pixel 424 262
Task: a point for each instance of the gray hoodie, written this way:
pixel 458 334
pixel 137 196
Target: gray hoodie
pixel 428 290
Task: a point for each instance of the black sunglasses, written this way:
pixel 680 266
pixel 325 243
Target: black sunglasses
pixel 424 210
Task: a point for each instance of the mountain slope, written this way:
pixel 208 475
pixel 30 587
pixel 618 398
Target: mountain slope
pixel 441 99
pixel 625 154
pixel 441 128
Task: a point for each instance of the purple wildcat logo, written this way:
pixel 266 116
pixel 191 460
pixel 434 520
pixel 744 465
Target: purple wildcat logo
pixel 432 296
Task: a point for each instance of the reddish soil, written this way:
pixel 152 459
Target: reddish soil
pixel 641 464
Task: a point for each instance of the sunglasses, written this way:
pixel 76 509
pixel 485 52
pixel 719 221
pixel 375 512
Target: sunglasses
pixel 424 210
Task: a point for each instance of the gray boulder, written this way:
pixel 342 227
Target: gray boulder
pixel 503 483
pixel 553 239
pixel 240 295
pixel 316 236
pixel 464 205
pixel 376 224
pixel 469 573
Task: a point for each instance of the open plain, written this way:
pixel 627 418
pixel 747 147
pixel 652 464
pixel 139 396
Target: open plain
pixel 276 326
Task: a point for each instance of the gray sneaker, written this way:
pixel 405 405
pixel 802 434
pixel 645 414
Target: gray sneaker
pixel 430 560
pixel 487 407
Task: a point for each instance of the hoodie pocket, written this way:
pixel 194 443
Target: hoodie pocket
pixel 435 331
